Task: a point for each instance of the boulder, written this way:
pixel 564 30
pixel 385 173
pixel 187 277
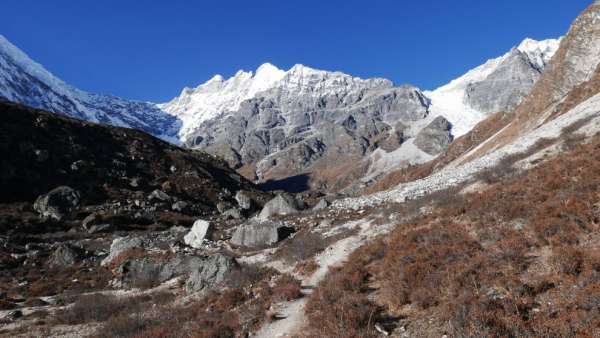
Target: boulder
pixel 233 213
pixel 212 271
pixel 159 195
pixel 58 204
pixel 322 204
pixel 120 245
pixel 200 231
pixel 260 234
pixel 63 256
pixel 180 206
pixel 434 138
pixel 244 200
pixel 200 272
pixel 96 223
pixel 223 206
pixel 282 204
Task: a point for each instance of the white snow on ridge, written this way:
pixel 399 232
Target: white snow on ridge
pixel 448 100
pixel 539 52
pixel 31 67
pixel 217 95
pixel 453 175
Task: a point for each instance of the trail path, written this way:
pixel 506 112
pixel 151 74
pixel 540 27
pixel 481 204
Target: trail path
pixel 292 313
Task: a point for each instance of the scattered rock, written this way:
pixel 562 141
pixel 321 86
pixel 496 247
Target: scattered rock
pixel 63 256
pixel 180 206
pixel 200 231
pixel 58 203
pixel 223 206
pixel 244 200
pixel 282 204
pixel 322 204
pixel 200 271
pixel 213 270
pixel 158 195
pixel 233 213
pixel 16 314
pixel 120 245
pixel 260 234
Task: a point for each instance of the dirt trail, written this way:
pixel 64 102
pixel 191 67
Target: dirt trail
pixel 292 314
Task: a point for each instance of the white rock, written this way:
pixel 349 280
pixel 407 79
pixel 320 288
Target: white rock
pixel 197 234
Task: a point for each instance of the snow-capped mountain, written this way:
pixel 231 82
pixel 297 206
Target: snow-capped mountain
pixel 499 84
pixel 278 123
pixel 218 96
pixel 24 81
pixel 283 123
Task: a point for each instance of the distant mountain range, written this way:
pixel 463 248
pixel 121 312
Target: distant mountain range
pixel 274 124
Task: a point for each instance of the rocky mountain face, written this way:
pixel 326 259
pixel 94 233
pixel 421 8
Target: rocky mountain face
pixel 305 120
pixel 24 81
pixel 571 77
pixel 275 124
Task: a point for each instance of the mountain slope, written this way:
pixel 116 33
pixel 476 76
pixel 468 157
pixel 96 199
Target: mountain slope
pixel 330 127
pixel 24 81
pixel 571 77
pixel 277 124
pixel 41 151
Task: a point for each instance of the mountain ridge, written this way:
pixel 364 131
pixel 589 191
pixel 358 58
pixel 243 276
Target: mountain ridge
pixel 275 123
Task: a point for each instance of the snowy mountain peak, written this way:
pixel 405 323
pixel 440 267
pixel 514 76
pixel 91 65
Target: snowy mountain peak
pixel 24 81
pixel 539 52
pixel 10 52
pixel 500 79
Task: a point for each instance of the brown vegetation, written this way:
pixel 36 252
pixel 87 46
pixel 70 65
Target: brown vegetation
pixel 520 259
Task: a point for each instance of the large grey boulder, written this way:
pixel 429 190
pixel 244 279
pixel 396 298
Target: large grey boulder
pixel 210 272
pixel 434 138
pixel 58 204
pixel 121 245
pixel 200 231
pixel 282 204
pixel 200 272
pixel 260 233
pixel 63 256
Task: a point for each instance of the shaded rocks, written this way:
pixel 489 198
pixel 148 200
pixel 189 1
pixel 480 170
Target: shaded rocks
pixel 180 206
pixel 96 223
pixel 200 231
pixel 57 204
pixel 244 200
pixel 233 213
pixel 434 138
pixel 64 256
pixel 159 196
pixel 260 233
pixel 282 204
pixel 200 272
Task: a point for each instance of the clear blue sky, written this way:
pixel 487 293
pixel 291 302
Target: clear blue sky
pixel 150 50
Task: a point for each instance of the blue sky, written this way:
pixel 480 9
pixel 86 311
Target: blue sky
pixel 150 50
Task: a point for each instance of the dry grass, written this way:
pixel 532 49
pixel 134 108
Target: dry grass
pixel 520 259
